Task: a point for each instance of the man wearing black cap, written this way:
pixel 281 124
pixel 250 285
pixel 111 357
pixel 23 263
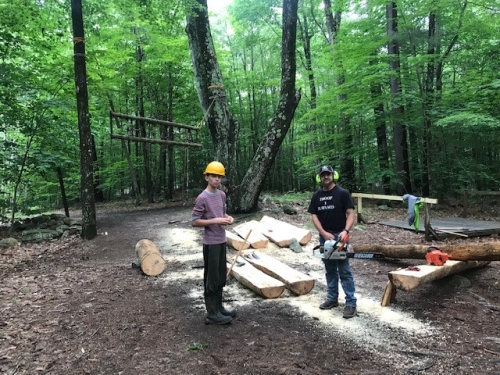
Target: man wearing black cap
pixel 333 215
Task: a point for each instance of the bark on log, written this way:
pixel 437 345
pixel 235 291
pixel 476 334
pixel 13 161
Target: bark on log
pixel 150 258
pixel 258 281
pixel 486 251
pixel 409 279
pixel 282 233
pixel 297 282
pixel 257 239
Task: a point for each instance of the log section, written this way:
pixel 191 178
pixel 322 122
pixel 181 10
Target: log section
pixel 150 258
pixel 407 280
pixel 485 251
pixel 296 281
pixel 236 241
pixel 258 281
pixel 257 239
pixel 282 233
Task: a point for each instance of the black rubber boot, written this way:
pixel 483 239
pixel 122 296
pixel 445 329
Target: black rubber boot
pixel 226 312
pixel 214 316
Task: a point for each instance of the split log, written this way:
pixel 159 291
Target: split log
pixel 408 279
pixel 296 281
pixel 150 258
pixel 257 239
pixel 485 251
pixel 282 233
pixel 236 242
pixel 258 281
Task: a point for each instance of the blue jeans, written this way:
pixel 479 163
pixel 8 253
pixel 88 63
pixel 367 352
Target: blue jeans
pixel 336 269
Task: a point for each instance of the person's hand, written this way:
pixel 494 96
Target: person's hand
pixel 327 236
pixel 224 220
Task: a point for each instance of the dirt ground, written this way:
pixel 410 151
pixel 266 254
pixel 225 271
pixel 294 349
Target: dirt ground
pixel 79 307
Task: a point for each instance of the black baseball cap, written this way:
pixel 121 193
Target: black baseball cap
pixel 325 168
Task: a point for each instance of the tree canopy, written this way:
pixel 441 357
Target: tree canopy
pixel 400 94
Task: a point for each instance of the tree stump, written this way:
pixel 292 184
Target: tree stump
pixel 150 258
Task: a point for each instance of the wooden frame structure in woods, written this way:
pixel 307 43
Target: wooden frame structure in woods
pixel 426 201
pixel 133 138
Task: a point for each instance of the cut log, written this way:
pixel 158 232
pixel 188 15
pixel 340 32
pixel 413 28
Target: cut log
pixel 408 279
pixel 296 281
pixel 389 294
pixel 258 281
pixel 257 239
pixel 282 233
pixel 236 241
pixel 150 258
pixel 484 251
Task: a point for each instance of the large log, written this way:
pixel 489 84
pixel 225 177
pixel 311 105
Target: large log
pixel 296 281
pixel 150 258
pixel 282 233
pixel 258 281
pixel 485 251
pixel 409 279
pixel 257 239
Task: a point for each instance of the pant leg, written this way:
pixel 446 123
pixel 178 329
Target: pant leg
pixel 214 273
pixel 332 279
pixel 347 281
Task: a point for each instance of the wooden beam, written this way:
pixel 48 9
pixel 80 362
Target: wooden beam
pixel 296 281
pixel 282 233
pixel 257 239
pixel 156 141
pixel 153 121
pixel 390 197
pixel 236 241
pixel 256 280
pixel 410 279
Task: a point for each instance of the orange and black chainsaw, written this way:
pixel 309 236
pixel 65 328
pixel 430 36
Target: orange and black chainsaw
pixel 341 250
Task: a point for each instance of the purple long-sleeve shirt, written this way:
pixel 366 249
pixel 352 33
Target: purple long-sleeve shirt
pixel 208 206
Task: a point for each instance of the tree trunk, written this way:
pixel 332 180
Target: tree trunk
pixel 210 87
pixel 223 128
pixel 89 228
pixel 400 136
pixel 487 251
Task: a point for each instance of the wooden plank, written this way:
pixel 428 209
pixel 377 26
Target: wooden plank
pixel 391 197
pixel 256 280
pixel 257 239
pixel 296 281
pixel 282 233
pixel 408 279
pixel 236 241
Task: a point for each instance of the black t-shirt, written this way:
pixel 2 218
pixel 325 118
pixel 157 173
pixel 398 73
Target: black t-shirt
pixel 330 207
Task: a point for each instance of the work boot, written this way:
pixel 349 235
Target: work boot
pixel 350 312
pixel 214 316
pixel 226 312
pixel 328 304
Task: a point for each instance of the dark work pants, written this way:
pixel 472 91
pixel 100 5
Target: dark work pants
pixel 215 268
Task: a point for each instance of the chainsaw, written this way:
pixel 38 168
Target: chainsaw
pixel 341 250
pixel 435 257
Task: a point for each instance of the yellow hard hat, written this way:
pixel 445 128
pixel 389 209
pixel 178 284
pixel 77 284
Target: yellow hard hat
pixel 215 168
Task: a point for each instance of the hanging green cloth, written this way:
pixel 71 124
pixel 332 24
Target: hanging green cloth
pixel 416 209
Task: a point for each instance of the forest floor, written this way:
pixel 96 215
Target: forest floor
pixel 79 307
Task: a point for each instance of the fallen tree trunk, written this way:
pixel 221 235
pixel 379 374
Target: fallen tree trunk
pixel 150 258
pixel 485 251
